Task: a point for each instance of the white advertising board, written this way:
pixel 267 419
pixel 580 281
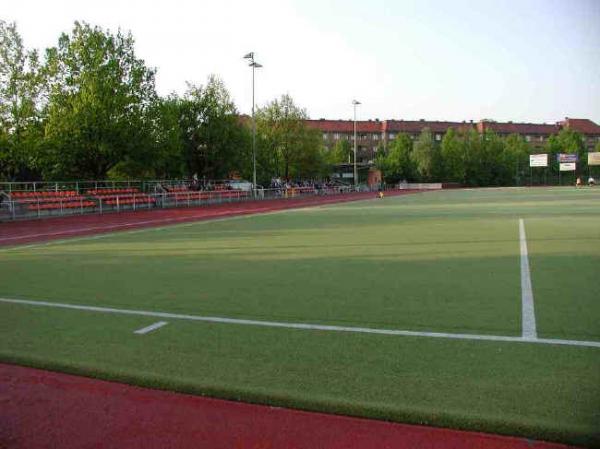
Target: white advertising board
pixel 567 166
pixel 538 160
pixel 594 158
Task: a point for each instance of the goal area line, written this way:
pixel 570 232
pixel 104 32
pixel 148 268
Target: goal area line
pixel 304 326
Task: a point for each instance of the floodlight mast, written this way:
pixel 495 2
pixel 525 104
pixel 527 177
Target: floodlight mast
pixel 255 65
pixel 355 103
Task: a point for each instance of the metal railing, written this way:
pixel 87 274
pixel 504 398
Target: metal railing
pixel 49 206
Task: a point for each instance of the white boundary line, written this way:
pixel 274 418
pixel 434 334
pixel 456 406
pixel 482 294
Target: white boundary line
pixel 305 326
pixel 152 327
pixel 109 228
pixel 527 307
pixel 189 221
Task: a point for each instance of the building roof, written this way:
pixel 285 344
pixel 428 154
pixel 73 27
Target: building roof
pixel 345 126
pixel 517 128
pixel 582 125
pixel 416 126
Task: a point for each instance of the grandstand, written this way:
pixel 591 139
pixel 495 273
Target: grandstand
pixel 38 200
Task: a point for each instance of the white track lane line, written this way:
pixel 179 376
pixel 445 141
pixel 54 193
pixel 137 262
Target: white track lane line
pixel 527 307
pixel 188 221
pixel 305 326
pixel 152 327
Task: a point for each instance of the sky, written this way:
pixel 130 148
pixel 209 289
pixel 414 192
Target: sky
pixel 523 60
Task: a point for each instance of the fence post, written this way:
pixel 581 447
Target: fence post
pixel 38 208
pixel 81 205
pixel 118 206
pixel 14 212
pixel 100 202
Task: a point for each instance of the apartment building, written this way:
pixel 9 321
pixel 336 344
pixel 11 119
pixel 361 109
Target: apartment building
pixel 371 134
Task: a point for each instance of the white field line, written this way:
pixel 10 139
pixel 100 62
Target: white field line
pixel 124 225
pixel 304 326
pixel 189 223
pixel 527 307
pixel 150 328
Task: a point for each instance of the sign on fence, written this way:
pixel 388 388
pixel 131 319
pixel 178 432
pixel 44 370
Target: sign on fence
pixel 564 158
pixel 567 166
pixel 538 160
pixel 593 158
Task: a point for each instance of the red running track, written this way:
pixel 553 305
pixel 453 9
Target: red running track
pixel 40 230
pixel 41 409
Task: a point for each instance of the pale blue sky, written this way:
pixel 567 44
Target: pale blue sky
pixel 529 60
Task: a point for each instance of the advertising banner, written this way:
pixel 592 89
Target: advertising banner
pixel 567 166
pixel 593 158
pixel 538 160
pixel 565 158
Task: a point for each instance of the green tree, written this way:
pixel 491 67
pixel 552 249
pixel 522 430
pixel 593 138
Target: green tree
pixel 99 97
pixel 215 141
pixel 492 171
pixel 21 84
pixel 516 158
pixel 566 141
pixel 312 161
pixel 454 156
pixel 397 164
pixel 426 156
pixel 342 152
pixel 285 140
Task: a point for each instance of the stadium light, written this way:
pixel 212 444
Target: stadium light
pixel 255 65
pixel 355 103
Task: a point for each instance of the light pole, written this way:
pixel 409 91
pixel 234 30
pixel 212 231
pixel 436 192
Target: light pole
pixel 255 65
pixel 355 103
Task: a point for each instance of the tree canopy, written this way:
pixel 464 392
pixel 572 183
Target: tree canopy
pixel 88 108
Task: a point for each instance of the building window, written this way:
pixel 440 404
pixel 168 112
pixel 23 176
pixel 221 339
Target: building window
pixel 375 136
pixel 392 136
pixel 336 136
pixel 528 138
pixel 324 136
pixel 438 137
pixel 541 138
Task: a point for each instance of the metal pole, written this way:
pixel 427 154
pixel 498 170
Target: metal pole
pixel 253 136
pixel 355 170
pixel 355 103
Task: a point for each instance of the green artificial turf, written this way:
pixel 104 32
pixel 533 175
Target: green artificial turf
pixel 440 261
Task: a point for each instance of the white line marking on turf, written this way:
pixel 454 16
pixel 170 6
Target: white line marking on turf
pixel 190 221
pixel 152 327
pixel 138 231
pixel 129 224
pixel 305 326
pixel 527 308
